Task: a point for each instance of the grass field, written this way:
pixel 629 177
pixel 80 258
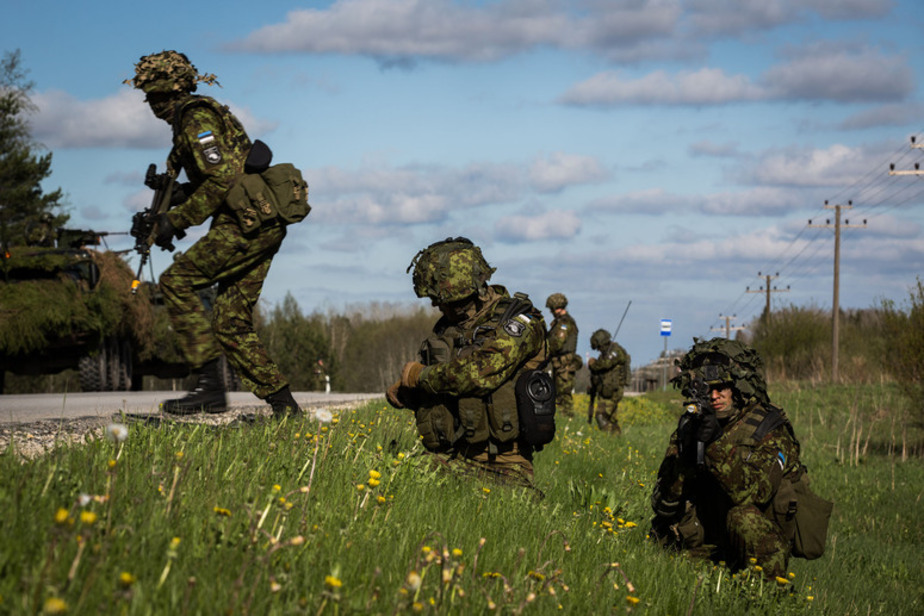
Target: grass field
pixel 347 517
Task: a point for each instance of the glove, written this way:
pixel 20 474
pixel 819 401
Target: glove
pixel 410 373
pixel 591 362
pixel 391 394
pixel 708 429
pixel 180 193
pixel 165 232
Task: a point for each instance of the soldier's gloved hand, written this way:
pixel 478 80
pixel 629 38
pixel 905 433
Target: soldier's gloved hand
pixel 163 236
pixel 410 373
pixel 391 394
pixel 708 429
pixel 180 193
pixel 591 361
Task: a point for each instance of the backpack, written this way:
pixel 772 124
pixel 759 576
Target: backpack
pixel 279 192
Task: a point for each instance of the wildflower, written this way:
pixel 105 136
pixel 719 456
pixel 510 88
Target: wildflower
pixel 375 475
pixel 632 600
pixel 456 552
pixel 781 581
pixel 486 490
pixel 323 415
pixel 360 487
pixel 809 598
pixel 447 576
pixel 277 487
pixel 631 524
pixel 275 586
pixel 88 517
pixel 297 540
pixel 332 582
pixel 112 463
pixel 426 549
pixel 126 579
pixel 61 516
pixel 222 511
pixel 400 455
pixel 381 499
pixel 413 580
pixel 417 606
pixel 55 605
pixel 373 482
pixel 792 575
pixel 116 432
pixel 84 499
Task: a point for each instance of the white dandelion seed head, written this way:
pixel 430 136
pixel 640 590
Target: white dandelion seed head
pixel 323 415
pixel 84 499
pixel 117 432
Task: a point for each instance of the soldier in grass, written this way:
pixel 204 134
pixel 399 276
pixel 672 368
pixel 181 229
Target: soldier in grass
pixel 565 362
pixel 211 146
pixel 732 482
pixel 609 374
pixel 467 387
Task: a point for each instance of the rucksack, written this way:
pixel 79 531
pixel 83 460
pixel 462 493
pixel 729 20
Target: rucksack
pixel 278 192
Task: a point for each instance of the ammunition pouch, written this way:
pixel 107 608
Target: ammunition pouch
pixel 811 521
pixel 278 193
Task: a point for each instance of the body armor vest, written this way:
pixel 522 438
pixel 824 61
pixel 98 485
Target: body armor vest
pixel 446 421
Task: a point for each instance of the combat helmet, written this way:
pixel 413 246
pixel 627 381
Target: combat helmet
pixel 449 270
pixel 556 301
pixel 718 361
pixel 168 72
pixel 600 339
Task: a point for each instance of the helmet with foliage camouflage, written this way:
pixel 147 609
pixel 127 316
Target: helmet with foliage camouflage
pixel 450 270
pixel 168 72
pixel 556 301
pixel 720 361
pixel 599 339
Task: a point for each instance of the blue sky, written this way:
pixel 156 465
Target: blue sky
pixel 661 152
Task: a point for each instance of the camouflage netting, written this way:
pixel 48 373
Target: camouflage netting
pixel 49 302
pixel 168 72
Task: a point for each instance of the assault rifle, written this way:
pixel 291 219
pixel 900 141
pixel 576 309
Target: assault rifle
pixel 696 409
pixel 78 238
pixel 144 223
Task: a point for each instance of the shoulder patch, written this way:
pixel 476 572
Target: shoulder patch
pixel 517 325
pixel 209 148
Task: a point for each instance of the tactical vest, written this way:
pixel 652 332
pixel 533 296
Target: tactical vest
pixel 445 422
pixel 234 130
pixel 569 344
pixel 606 384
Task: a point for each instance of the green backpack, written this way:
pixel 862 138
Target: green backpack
pixel 278 192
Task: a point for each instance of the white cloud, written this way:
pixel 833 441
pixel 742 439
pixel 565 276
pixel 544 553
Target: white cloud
pixel 121 120
pixel 713 17
pixel 837 165
pixel 707 86
pixel 893 114
pixel 553 225
pixel 560 170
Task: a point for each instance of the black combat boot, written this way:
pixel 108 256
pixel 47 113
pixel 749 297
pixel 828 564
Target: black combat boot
pixel 207 396
pixel 283 403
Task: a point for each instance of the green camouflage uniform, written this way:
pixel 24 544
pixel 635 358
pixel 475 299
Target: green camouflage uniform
pixel 735 501
pixel 607 379
pixel 464 404
pixel 210 145
pixel 562 339
pixel 727 509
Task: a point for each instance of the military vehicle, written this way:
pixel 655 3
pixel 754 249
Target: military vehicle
pixel 67 305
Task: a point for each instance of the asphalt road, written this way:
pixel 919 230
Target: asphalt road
pixel 28 408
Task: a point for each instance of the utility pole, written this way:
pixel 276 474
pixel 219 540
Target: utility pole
pixel 917 166
pixel 835 310
pixel 768 291
pixel 728 326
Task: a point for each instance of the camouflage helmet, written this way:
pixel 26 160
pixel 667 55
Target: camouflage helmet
pixel 450 270
pixel 720 361
pixel 600 339
pixel 556 301
pixel 168 72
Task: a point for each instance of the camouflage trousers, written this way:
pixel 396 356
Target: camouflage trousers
pixel 239 265
pixel 605 413
pixel 746 534
pixel 564 384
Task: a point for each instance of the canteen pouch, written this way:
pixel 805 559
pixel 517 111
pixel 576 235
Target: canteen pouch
pixel 535 395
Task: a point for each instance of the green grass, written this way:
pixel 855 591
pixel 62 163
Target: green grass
pixel 270 519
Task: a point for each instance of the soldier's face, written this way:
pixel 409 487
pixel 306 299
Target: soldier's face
pixel 162 105
pixel 456 312
pixel 721 398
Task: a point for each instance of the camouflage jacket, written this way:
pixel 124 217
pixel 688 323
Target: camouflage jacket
pixel 608 372
pixel 210 145
pixel 739 467
pixel 486 358
pixel 563 336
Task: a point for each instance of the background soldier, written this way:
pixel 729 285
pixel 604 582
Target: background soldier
pixel 462 390
pixel 210 145
pixel 725 489
pixel 609 374
pixel 562 340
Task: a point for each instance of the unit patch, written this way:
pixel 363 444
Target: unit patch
pixel 516 326
pixel 209 149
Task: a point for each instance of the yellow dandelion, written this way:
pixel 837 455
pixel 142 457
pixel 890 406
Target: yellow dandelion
pixel 373 482
pixel 486 490
pixel 456 552
pixel 417 606
pixel 810 598
pixel 426 549
pixel 174 543
pixel 631 524
pixel 55 605
pixel 222 511
pixel 179 455
pixel 758 568
pixel 373 474
pixel 781 581
pixel 112 463
pixel 400 455
pixel 753 561
pixel 632 600
pixel 126 579
pixel 332 582
pixel 360 487
pixel 88 517
pixel 381 499
pixel 61 516
pixel 277 487
pixel 792 575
